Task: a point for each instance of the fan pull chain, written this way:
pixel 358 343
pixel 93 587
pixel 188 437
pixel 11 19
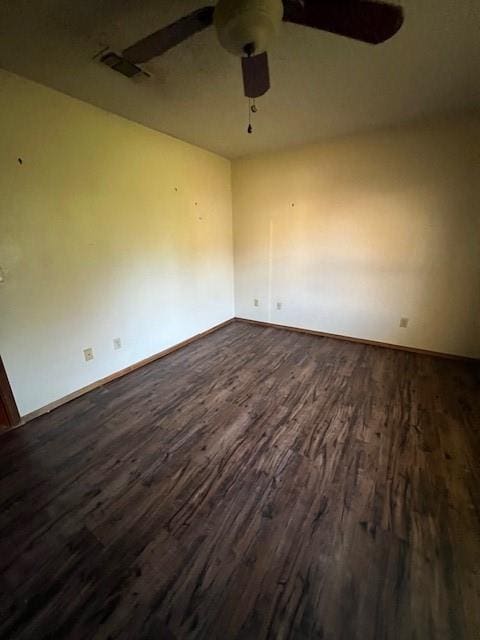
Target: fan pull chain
pixel 252 108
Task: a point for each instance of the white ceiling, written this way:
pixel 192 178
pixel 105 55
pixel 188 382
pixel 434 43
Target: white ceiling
pixel 322 85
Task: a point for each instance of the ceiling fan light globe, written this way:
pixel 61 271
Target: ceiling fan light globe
pixel 242 23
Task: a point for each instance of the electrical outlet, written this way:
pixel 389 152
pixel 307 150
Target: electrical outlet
pixel 255 302
pixel 88 354
pixel 117 343
pixel 279 306
pixel 403 323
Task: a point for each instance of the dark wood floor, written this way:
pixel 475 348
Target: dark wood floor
pixel 257 484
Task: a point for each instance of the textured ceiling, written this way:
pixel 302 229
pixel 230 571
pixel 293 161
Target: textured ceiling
pixel 322 85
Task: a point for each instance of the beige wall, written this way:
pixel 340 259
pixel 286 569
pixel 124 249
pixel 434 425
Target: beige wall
pixel 107 229
pixel 352 235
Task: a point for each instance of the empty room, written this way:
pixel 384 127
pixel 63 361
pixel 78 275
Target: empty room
pixel 240 320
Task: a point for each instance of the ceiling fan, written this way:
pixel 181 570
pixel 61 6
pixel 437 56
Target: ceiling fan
pixel 246 27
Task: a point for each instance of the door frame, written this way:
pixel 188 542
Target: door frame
pixel 7 398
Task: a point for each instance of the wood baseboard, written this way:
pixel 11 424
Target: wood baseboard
pixel 113 376
pixel 137 365
pixel 373 343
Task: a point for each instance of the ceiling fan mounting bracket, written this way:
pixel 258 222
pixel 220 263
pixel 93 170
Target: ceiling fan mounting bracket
pixel 247 23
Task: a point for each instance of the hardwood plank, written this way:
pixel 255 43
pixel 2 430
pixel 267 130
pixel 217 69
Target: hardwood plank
pixel 255 484
pixel 113 376
pixel 375 343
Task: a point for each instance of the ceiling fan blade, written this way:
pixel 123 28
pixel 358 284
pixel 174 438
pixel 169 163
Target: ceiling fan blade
pixel 364 20
pixel 164 39
pixel 256 77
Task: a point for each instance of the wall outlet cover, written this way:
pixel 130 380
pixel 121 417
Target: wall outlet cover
pixel 403 323
pixel 88 354
pixel 256 302
pixel 117 343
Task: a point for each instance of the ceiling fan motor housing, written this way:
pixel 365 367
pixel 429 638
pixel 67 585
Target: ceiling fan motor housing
pixel 247 26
